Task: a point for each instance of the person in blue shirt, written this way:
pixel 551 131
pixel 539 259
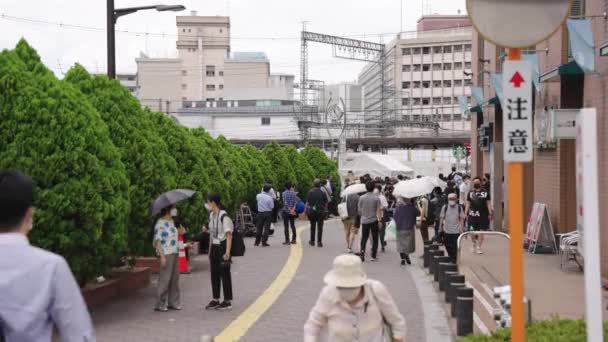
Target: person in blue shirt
pixel 265 208
pixel 39 292
pixel 167 248
pixel 290 200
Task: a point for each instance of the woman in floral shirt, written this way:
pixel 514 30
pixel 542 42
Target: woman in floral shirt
pixel 167 248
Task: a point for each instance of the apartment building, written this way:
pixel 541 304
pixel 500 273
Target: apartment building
pixel 207 70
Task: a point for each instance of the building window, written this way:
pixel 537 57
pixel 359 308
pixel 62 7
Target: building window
pixel 184 72
pixel 221 30
pixel 210 87
pixel 447 66
pixel 458 66
pixel 221 73
pixel 221 86
pixel 210 70
pixel 457 48
pixel 436 84
pixel 447 84
pixel 416 84
pixel 417 67
pixel 184 30
pixel 416 117
pixel 425 101
pixel 210 99
pixel 437 49
pixel 417 101
pixel 437 67
pixel 447 100
pixel 265 121
pixel 467 65
pixel 184 86
pixel 415 51
pixel 426 67
pixel 189 30
pixel 436 100
pixel 405 101
pixel 577 8
pixel 426 84
pixel 447 49
pixel 405 85
pixel 426 50
pixel 467 47
pixel 406 52
pixel 468 82
pixel 406 68
pixel 184 98
pixel 457 83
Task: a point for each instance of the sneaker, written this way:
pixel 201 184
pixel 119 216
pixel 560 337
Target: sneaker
pixel 265 244
pixel 383 249
pixel 374 259
pixel 312 243
pixel 286 243
pixel 349 251
pixel 478 250
pixel 161 309
pixel 407 259
pixel 256 244
pixel 212 305
pixel 319 244
pixel 402 262
pixel 224 306
pixel 293 242
pixel 362 256
pixel 176 308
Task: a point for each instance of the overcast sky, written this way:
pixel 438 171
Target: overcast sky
pixel 253 24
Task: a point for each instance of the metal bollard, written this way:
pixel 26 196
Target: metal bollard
pixel 427 254
pixel 432 255
pixel 451 279
pixel 438 260
pixel 443 275
pixel 441 268
pixel 454 287
pixel 464 311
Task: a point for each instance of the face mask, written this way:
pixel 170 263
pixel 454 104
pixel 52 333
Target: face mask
pixel 452 202
pixel 477 186
pixel 173 212
pixel 349 294
pixel 207 206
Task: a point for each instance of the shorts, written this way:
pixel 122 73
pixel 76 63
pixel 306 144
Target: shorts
pixel 349 226
pixel 477 223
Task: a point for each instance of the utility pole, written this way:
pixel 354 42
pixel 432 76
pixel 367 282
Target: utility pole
pixel 111 20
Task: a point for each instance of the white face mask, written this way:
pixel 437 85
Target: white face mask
pixel 207 206
pixel 452 202
pixel 349 294
pixel 173 212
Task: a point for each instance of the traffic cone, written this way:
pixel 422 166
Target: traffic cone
pixel 182 261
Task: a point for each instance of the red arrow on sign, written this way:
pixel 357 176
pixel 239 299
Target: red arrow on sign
pixel 517 80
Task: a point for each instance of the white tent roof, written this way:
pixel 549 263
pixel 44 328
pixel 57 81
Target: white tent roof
pixel 376 164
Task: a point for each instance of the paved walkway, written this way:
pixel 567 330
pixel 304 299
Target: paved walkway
pixel 132 318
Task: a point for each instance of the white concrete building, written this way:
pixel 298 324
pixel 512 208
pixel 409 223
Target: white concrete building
pixel 349 92
pixel 206 69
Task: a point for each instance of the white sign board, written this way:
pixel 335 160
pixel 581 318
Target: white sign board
pixel 565 123
pixel 517 111
pixel 588 217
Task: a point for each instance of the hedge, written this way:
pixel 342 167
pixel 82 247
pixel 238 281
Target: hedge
pixel 558 330
pixel 99 159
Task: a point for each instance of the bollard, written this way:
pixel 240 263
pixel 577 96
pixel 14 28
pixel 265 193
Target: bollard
pixel 443 276
pixel 427 254
pixel 438 260
pixel 450 279
pixel 442 266
pixel 432 255
pixel 454 287
pixel 464 311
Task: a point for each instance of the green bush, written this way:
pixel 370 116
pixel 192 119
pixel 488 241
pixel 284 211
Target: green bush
pixel 283 167
pixel 323 166
pixel 554 330
pixel 304 173
pixel 260 172
pixel 50 131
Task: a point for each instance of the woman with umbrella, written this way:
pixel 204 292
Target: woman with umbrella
pixel 167 248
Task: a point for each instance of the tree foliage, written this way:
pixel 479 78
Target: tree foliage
pixel 284 168
pixel 304 173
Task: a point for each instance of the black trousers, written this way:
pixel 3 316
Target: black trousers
pixel 287 221
pixel 316 227
pixel 382 233
pixel 220 272
pixel 367 228
pixel 263 227
pixel 451 245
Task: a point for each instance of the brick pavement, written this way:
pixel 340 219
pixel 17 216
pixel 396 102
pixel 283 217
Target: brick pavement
pixel 132 318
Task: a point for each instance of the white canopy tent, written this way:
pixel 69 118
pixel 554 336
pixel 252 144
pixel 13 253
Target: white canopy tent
pixel 376 164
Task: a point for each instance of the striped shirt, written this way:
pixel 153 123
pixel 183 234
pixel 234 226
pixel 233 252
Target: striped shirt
pixel 290 199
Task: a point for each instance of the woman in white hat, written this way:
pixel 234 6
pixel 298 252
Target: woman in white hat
pixel 354 308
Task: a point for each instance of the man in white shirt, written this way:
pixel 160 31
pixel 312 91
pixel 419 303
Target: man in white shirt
pixel 464 189
pixel 38 290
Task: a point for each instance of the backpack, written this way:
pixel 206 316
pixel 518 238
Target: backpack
pixel 445 208
pixel 238 244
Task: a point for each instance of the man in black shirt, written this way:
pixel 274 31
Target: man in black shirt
pixel 479 212
pixel 316 206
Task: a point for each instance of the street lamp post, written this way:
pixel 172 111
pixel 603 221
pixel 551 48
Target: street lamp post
pixel 113 15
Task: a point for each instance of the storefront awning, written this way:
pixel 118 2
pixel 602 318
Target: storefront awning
pixel 476 109
pixel 580 35
pixel 496 79
pixel 494 101
pixel 532 58
pixel 570 68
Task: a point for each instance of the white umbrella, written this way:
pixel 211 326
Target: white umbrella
pixel 436 181
pixel 354 189
pixel 413 188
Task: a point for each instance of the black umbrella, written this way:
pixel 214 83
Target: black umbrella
pixel 170 198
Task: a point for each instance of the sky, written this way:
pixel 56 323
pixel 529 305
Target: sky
pixel 66 32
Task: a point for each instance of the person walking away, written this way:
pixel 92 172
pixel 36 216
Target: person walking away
pixel 275 209
pixel 290 199
pixel 423 206
pixel 327 193
pixel 437 201
pixel 351 223
pixel 167 249
pixel 38 292
pixel 478 212
pixel 352 307
pixel 382 223
pixel 265 207
pixel 464 189
pixel 405 222
pixel 452 225
pixel 220 229
pixel 451 175
pixel 370 210
pixel 316 207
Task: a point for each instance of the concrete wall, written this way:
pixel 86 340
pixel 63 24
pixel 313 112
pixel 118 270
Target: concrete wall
pixel 158 80
pixel 244 126
pixel 432 22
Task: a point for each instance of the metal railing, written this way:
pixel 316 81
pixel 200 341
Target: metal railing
pixel 505 235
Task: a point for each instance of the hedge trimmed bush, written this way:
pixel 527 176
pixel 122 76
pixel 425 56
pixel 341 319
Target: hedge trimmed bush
pixel 555 330
pixel 99 160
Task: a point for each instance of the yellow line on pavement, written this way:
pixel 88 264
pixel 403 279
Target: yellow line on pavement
pixel 239 327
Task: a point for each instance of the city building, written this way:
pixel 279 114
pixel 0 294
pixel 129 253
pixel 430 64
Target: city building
pixel 426 73
pixel 561 83
pixel 129 81
pixel 207 70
